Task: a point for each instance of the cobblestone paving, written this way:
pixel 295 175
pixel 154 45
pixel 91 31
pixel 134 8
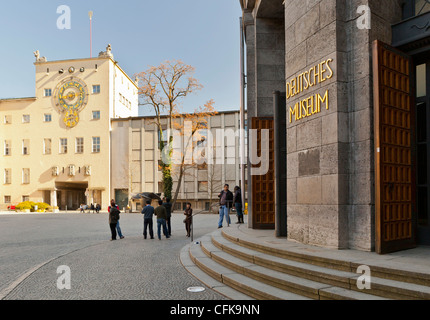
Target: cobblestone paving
pixel 131 268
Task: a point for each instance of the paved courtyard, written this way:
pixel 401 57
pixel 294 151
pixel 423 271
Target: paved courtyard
pixel 33 246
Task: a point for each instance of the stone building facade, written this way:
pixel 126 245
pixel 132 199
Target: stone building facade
pixel 136 161
pixel 320 56
pixel 56 146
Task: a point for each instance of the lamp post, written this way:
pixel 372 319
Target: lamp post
pixel 90 14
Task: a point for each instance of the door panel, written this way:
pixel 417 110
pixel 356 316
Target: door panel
pixel 263 186
pixel 395 213
pixel 423 150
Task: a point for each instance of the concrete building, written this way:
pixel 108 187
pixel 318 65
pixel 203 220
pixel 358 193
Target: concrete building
pixel 57 145
pixel 352 81
pixel 136 159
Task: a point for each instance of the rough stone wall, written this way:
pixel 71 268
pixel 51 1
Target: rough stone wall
pixel 330 158
pixel 317 146
pixel 269 62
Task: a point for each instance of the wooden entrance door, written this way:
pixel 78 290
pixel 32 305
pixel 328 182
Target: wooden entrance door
pixel 263 186
pixel 395 213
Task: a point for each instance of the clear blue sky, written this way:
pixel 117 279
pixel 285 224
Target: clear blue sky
pixel 202 33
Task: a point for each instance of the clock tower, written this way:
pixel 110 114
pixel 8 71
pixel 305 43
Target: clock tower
pixel 59 142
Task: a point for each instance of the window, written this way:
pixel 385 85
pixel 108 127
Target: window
pixel 47 146
pixel 7 199
pixel 96 115
pixel 96 144
pixel 8 119
pixel 96 89
pixel 164 133
pixel 26 176
pixel 47 117
pixel 7 176
pixel 177 206
pixel 26 118
pixel 79 145
pixel 25 146
pixel 203 186
pixel 25 198
pixel 63 145
pixel 7 148
pixel 48 92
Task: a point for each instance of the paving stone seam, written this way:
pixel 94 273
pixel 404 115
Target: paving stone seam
pixel 15 284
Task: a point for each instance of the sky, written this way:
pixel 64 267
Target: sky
pixel 142 33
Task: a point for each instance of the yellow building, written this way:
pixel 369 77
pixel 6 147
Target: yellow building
pixel 57 145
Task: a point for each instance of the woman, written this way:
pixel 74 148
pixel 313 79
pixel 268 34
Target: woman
pixel 188 218
pixel 237 200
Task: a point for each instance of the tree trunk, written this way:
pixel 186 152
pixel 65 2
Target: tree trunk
pixel 178 187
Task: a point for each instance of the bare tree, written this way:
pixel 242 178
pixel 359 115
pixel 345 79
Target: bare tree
pixel 163 88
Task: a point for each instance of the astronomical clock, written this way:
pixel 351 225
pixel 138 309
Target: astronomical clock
pixel 70 97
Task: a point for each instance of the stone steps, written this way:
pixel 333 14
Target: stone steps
pixel 293 254
pixel 266 276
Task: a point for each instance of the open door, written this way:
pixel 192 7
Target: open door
pixel 263 186
pixel 395 212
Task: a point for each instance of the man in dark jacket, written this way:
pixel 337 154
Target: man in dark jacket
pixel 118 228
pixel 148 212
pixel 161 214
pixel 225 203
pixel 113 219
pixel 168 207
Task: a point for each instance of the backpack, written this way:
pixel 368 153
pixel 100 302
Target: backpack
pixel 114 214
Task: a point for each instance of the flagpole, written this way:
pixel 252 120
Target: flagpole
pixel 90 14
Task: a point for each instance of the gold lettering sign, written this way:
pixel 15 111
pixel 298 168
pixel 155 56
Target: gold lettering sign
pixel 308 79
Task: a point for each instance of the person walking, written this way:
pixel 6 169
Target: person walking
pixel 188 218
pixel 225 202
pixel 118 228
pixel 148 212
pixel 113 220
pixel 237 200
pixel 168 207
pixel 161 214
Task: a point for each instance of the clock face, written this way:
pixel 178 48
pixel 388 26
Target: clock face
pixel 71 97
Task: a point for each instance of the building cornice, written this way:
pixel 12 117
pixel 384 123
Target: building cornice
pixel 164 116
pixel 18 99
pixel 39 63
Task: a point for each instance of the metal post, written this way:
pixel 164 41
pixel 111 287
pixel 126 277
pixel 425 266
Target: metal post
pixel 242 114
pixel 192 228
pixel 279 106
